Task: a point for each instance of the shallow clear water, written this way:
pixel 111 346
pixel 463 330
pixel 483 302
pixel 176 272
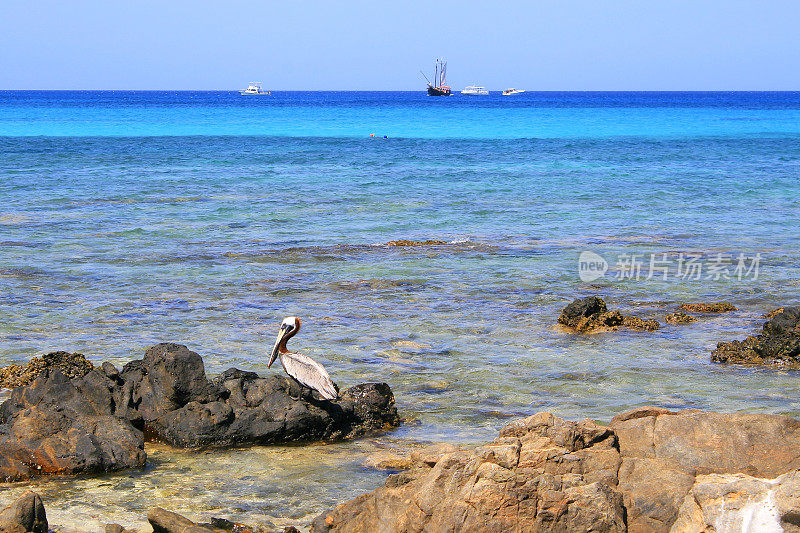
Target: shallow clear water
pixel 204 218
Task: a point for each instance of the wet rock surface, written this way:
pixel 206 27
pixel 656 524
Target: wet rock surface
pixel 777 345
pixel 546 474
pixel 591 315
pixel 98 422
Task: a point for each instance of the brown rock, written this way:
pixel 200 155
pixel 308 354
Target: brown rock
pixel 164 521
pixel 738 502
pixel 72 365
pixel 663 452
pixel 679 318
pixel 775 312
pixel 590 315
pixel 404 242
pixel 717 307
pixel 26 514
pixel 541 474
pixel 430 455
pixel 634 322
pixel 388 461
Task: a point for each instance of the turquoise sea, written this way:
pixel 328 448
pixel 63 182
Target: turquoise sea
pixel 204 218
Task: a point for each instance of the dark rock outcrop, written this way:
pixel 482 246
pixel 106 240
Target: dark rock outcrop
pixel 98 422
pixel 590 314
pixel 72 365
pixel 61 426
pixel 546 474
pixel 181 407
pixel 25 515
pixel 777 345
pixel 715 307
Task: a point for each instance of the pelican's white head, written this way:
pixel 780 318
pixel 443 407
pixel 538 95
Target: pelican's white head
pixel 289 328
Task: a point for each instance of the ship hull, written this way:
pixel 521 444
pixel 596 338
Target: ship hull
pixel 438 91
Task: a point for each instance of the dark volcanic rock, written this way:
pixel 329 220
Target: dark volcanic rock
pixel 274 410
pixel 72 365
pixel 590 314
pixel 98 422
pixel 644 473
pixel 169 377
pixel 58 425
pixel 24 515
pixel 181 407
pixel 778 344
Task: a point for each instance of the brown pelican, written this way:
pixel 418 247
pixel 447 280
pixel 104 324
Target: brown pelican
pixel 301 367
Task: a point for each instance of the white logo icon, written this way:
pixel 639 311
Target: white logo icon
pixel 591 266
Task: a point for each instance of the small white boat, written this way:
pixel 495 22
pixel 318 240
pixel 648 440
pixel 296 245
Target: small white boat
pixel 254 87
pixel 512 91
pixel 474 89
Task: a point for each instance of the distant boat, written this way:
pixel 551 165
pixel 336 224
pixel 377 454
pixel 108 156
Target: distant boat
pixel 510 91
pixel 254 87
pixel 439 87
pixel 474 89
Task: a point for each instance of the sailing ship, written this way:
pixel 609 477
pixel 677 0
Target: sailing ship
pixel 439 87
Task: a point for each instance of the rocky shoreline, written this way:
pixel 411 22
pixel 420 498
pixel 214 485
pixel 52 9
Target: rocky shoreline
pixel 649 470
pixel 99 421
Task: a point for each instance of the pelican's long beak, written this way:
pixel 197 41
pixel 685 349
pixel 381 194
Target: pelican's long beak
pixel 285 328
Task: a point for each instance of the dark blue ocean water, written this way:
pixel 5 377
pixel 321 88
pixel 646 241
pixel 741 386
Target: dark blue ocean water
pixel 130 218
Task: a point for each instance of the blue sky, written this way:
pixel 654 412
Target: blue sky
pixel 381 45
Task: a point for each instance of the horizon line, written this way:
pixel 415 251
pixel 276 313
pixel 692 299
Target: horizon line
pixel 423 90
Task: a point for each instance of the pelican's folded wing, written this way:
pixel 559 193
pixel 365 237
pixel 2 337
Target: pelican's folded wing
pixel 309 373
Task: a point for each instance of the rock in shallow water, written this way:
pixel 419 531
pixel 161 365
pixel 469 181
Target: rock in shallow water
pixel 98 422
pixel 590 315
pixel 679 318
pixel 777 345
pixel 61 426
pixel 715 307
pixel 25 515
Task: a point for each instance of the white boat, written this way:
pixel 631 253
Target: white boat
pixel 512 91
pixel 474 89
pixel 254 87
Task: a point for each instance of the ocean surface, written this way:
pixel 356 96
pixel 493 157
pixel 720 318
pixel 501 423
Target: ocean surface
pixel 204 218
